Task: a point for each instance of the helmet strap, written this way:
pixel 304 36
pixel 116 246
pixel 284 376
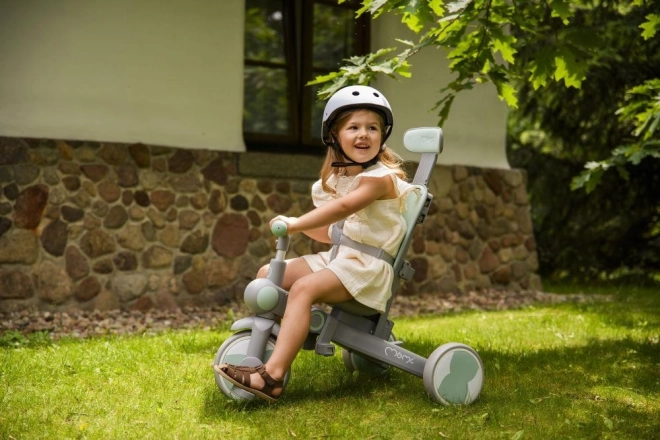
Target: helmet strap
pixel 352 163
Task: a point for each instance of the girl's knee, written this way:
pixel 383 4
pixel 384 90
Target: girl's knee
pixel 263 271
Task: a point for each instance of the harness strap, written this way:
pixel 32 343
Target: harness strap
pixel 339 239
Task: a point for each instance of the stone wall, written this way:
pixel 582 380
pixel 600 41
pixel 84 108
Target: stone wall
pixel 86 225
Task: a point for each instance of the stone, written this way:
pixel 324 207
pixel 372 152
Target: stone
pixel 54 285
pixel 103 266
pixel 13 151
pixel 195 243
pixel 143 304
pixel 187 183
pixel 188 219
pixel 239 203
pixel 109 191
pixel 127 175
pixel 97 243
pixel 181 161
pixel 125 261
pixel 140 154
pixel 198 201
pixel 87 289
pixel 29 206
pixel 149 231
pixel 216 172
pixel 15 284
pixel 71 214
pixel 218 201
pixel 194 282
pixel 501 276
pixel 75 263
pixel 170 235
pixel 421 266
pixel 128 286
pixel 19 246
pixel 156 218
pixel 11 191
pixel 26 174
pixel 278 203
pixel 127 197
pixel 5 225
pixel 71 183
pixel 230 235
pixel 141 197
pixel 54 238
pixel 95 172
pixel 162 199
pixel 116 217
pixel 131 237
pixel 182 263
pixel 106 300
pixel 114 154
pixel 493 180
pixel 488 260
pixel 157 257
pixel 100 208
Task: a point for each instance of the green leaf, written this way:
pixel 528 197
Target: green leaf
pixel 560 9
pixel 650 26
pixel 507 93
pixel 541 68
pixel 502 43
pixel 568 68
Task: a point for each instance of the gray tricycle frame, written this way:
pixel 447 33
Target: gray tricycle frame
pixel 365 334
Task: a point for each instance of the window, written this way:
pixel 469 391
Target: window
pixel 287 44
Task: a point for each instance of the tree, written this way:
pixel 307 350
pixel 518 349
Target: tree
pixel 485 41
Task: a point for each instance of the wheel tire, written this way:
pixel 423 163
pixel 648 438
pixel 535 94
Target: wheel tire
pixel 233 351
pixel 454 374
pixel 355 362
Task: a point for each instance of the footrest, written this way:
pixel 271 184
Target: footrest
pixel 325 349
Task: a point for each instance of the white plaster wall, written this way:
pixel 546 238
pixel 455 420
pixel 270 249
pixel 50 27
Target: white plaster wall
pixel 475 132
pixel 152 71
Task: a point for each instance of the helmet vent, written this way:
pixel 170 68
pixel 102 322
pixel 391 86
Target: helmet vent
pixel 376 95
pixel 356 93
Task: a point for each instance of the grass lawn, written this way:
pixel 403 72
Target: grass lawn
pixel 561 371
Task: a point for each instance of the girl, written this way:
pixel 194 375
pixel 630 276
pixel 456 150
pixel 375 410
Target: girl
pixel 362 186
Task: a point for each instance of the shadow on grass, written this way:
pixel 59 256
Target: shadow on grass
pixel 601 387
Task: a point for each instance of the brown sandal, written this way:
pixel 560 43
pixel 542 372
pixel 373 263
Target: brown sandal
pixel 240 376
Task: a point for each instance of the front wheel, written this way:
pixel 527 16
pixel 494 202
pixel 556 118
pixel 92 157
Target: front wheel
pixel 454 374
pixel 234 351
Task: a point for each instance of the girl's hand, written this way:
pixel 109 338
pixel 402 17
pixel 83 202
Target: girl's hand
pixel 290 222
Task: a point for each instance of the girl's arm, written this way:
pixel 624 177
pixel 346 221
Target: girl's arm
pixel 368 190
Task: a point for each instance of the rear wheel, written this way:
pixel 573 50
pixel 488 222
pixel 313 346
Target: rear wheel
pixel 355 362
pixel 454 374
pixel 234 351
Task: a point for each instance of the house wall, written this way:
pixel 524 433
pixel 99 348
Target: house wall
pixel 475 132
pixel 171 73
pixel 163 73
pixel 89 225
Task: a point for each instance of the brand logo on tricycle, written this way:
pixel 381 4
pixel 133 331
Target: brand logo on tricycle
pixel 389 352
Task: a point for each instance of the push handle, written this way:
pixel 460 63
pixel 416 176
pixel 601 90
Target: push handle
pixel 278 228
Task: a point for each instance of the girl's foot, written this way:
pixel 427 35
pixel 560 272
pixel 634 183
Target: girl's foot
pixel 264 386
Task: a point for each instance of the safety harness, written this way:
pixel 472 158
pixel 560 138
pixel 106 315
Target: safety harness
pixel 340 239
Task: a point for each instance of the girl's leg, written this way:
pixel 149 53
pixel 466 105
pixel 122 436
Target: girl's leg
pixel 321 286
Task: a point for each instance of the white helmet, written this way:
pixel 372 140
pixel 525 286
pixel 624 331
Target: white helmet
pixel 355 97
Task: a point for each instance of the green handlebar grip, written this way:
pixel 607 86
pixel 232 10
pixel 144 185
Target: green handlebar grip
pixel 279 228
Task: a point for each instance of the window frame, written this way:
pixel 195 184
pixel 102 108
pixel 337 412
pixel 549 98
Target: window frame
pixel 298 33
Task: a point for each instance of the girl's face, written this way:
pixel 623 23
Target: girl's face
pixel 360 136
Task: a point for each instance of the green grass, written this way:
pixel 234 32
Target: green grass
pixel 562 371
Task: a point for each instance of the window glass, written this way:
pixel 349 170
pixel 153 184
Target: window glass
pixel 287 44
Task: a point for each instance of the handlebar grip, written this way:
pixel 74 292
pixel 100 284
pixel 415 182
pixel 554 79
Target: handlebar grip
pixel 279 228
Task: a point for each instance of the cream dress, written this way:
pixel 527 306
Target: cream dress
pixel 380 224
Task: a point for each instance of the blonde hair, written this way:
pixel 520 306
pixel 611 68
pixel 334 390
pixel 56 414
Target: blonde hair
pixel 386 156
